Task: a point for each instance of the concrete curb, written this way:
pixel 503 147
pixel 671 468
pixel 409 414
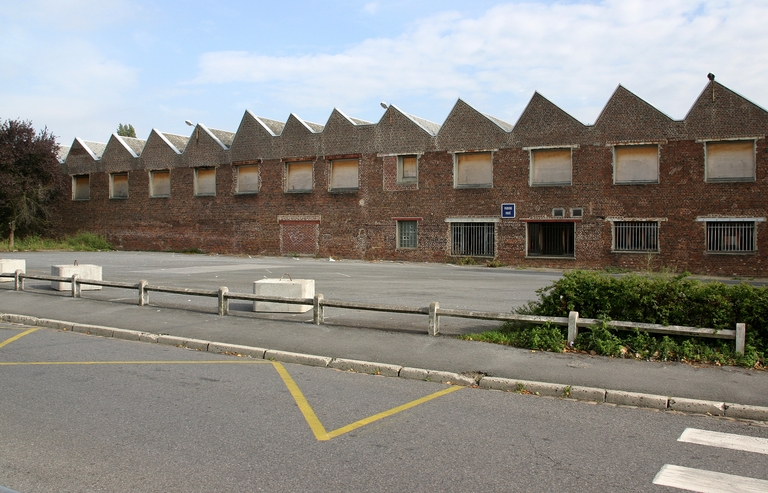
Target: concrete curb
pixel 608 396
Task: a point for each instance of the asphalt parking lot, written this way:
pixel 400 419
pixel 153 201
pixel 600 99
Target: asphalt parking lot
pixel 84 413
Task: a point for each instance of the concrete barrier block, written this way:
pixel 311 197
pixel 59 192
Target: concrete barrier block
pixel 10 266
pixel 366 367
pixel 283 288
pixel 697 406
pixel 84 271
pixel 236 350
pixel 298 358
pixel 96 330
pixel 636 399
pixel 414 373
pixel 741 411
pixel 587 394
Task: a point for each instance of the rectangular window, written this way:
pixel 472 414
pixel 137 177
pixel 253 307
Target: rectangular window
pixel 730 161
pixel 344 175
pixel 636 236
pixel 407 232
pixel 205 181
pixel 160 183
pixel 248 178
pixel 81 187
pixel 298 177
pixel 407 169
pixel 472 239
pixel 731 236
pixel 636 164
pixel 118 186
pixel 473 169
pixel 551 167
pixel 551 239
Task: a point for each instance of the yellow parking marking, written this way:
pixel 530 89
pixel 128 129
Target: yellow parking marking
pixel 16 337
pixel 317 427
pixel 182 362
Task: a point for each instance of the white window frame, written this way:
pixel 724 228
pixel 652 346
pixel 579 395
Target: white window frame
pixel 112 185
pixel 197 182
pixel 152 192
pixel 617 181
pixel 75 188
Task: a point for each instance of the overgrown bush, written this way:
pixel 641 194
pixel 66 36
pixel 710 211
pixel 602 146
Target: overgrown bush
pixel 81 242
pixel 665 300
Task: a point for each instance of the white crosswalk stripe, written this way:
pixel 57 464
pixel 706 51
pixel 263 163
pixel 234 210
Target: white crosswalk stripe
pixel 703 481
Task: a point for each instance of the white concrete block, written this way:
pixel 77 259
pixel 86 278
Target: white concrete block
pixel 83 271
pixel 10 266
pixel 283 288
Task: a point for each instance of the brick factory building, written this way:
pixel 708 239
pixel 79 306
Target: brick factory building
pixel 635 190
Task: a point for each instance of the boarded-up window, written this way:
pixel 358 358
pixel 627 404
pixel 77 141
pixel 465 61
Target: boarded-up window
pixel 205 181
pixel 551 167
pixel 81 187
pixel 407 169
pixel 474 170
pixel 731 161
pixel 344 174
pixel 118 186
pixel 248 179
pixel 298 177
pixel 160 183
pixel 636 164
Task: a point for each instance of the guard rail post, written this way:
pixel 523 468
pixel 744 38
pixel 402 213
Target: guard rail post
pixel 573 328
pixel 223 301
pixel 741 337
pixel 318 314
pixel 434 318
pixel 18 283
pixel 143 294
pixel 73 285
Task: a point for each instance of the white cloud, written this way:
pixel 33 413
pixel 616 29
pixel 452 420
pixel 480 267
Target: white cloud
pixel 371 7
pixel 573 53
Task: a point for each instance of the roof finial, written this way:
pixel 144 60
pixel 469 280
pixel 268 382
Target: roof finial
pixel 711 76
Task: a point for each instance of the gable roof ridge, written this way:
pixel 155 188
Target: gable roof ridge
pixel 311 126
pixel 268 124
pixel 353 121
pixel 496 121
pixel 167 141
pixel 125 144
pixel 213 136
pixel 428 126
pixel 613 95
pixel 63 153
pixel 538 94
pixel 225 136
pixel 707 86
pixel 86 144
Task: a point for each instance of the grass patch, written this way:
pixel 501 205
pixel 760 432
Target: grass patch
pixel 81 242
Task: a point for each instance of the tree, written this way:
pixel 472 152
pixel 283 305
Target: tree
pixel 126 130
pixel 30 178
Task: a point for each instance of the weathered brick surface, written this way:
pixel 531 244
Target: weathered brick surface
pixel 362 223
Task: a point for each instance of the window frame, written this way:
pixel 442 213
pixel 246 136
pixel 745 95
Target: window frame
pixel 197 181
pixel 532 166
pixel 401 178
pixel 112 176
pixel 642 226
pixel 75 188
pixel 287 169
pixel 749 179
pixel 616 181
pixel 473 226
pixel 456 176
pixel 723 221
pixel 152 180
pixel 336 162
pixel 401 234
pixel 238 181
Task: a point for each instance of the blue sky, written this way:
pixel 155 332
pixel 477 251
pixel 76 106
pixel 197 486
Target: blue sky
pixel 81 67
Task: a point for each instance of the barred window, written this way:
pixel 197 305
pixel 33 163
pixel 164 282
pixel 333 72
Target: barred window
pixel 551 239
pixel 407 234
pixel 731 236
pixel 636 236
pixel 472 239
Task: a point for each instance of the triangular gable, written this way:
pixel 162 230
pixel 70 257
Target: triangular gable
pixel 468 129
pixel 299 137
pixel 721 113
pixel 628 118
pixel 255 138
pixel 204 148
pixel 84 156
pixel 399 132
pixel 345 135
pixel 224 137
pixel 120 153
pixel 160 151
pixel 543 123
pixel 62 153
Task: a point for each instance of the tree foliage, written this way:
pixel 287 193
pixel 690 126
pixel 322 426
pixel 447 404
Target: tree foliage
pixel 126 130
pixel 30 177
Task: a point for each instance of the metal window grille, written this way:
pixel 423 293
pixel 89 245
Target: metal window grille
pixel 731 236
pixel 406 234
pixel 636 236
pixel 551 239
pixel 473 239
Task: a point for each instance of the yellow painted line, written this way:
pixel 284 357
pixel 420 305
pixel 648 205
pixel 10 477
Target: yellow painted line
pixel 314 423
pixel 16 337
pixel 394 410
pixel 317 427
pixel 235 362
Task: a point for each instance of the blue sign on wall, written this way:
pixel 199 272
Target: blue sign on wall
pixel 508 210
